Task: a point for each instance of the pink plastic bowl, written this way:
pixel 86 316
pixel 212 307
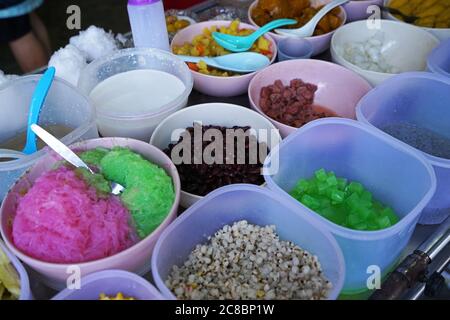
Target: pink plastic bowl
pixel 339 89
pixel 320 43
pixel 135 259
pixel 357 10
pixel 212 85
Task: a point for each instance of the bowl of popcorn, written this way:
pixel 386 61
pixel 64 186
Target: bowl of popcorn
pixel 257 246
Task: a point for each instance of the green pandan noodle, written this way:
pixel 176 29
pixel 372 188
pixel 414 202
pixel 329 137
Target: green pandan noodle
pixel 149 192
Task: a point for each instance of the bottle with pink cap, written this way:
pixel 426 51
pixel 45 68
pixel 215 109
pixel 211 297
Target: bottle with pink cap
pixel 148 24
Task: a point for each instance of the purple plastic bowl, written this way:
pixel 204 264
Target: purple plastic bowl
pixel 111 282
pixel 357 10
pixel 25 291
pixel 439 59
pixel 258 206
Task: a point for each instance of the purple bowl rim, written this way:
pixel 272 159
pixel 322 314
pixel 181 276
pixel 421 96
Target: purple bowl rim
pixel 111 273
pixel 165 291
pixel 335 228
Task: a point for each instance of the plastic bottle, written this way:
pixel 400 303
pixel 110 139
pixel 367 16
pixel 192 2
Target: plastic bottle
pixel 148 24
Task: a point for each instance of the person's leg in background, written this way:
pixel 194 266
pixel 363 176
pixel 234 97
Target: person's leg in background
pixel 26 36
pixel 40 31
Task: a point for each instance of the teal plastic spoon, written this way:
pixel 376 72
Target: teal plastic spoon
pixel 39 95
pixel 244 62
pixel 244 43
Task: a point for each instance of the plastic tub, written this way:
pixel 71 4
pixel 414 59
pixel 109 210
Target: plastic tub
pixel 215 85
pixel 258 206
pixel 25 291
pixel 127 124
pixel 397 175
pixel 439 59
pixel 358 10
pixel 419 98
pixel 111 282
pixel 400 39
pixel 320 43
pixel 64 105
pixel 223 114
pixel 332 81
pixel 134 259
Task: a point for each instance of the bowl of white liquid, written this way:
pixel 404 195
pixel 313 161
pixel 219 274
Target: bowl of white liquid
pixel 133 90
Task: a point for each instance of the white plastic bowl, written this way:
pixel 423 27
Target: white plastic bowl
pixel 440 33
pixel 221 114
pixel 136 126
pixel 406 47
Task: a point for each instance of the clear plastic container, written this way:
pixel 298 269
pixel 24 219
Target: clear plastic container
pixel 256 205
pixel 439 59
pixel 110 283
pixel 25 291
pixel 64 105
pixel 397 175
pixel 419 98
pixel 130 125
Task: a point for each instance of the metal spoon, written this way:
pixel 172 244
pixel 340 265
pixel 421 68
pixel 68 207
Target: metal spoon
pixel 68 154
pixel 308 29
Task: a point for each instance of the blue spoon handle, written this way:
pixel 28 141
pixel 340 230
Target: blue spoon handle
pixel 39 95
pixel 207 60
pixel 272 25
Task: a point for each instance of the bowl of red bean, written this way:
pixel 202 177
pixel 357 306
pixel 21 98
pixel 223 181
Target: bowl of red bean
pixel 214 145
pixel 293 93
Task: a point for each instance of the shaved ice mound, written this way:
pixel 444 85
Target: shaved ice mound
pixel 94 42
pixel 68 62
pixel 63 220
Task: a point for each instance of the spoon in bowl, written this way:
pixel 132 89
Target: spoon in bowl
pixel 245 43
pixel 68 155
pixel 37 100
pixel 308 29
pixel 243 62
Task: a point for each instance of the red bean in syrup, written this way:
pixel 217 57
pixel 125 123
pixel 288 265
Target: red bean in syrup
pixel 292 105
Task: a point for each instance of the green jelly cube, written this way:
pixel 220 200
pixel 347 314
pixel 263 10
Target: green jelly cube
pixel 361 226
pixel 342 183
pixel 356 187
pixel 388 212
pixel 332 181
pixel 321 175
pixel 322 188
pixel 353 220
pixel 303 185
pixel 337 196
pixel 310 202
pixel 383 222
pixel 366 196
pixel 364 213
pixel 353 200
